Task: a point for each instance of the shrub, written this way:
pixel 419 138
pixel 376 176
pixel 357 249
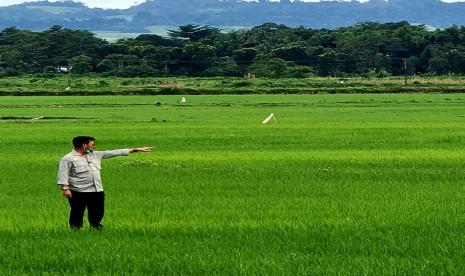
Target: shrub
pixel 46 75
pixel 11 72
pixel 49 69
pixel 241 83
pixel 134 71
pixel 300 72
pixel 178 91
pixel 103 83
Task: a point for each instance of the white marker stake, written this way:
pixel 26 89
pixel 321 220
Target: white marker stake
pixel 183 100
pixel 37 118
pixel 268 119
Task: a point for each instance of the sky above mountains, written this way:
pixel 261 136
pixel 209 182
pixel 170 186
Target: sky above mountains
pixel 123 4
pixel 106 4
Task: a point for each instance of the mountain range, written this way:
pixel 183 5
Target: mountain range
pixel 152 14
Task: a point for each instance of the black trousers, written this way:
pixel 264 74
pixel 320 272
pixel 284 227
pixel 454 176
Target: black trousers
pixel 95 204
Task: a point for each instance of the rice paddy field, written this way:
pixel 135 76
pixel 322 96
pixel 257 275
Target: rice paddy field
pixel 339 185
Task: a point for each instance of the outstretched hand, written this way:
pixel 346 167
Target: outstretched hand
pixel 142 149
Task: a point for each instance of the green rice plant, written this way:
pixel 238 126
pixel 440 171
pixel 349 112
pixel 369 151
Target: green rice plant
pixel 341 184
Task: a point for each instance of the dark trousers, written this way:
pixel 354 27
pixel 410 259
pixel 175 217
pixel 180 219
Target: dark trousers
pixel 95 204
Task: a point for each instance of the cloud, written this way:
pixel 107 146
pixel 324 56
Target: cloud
pixel 123 4
pixel 114 4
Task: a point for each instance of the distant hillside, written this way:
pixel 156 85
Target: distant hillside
pixel 147 16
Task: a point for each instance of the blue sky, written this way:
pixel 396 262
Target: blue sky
pixel 121 4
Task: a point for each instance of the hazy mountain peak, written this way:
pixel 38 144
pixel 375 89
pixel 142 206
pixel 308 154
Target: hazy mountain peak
pixel 147 15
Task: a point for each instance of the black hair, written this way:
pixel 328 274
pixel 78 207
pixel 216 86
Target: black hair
pixel 80 140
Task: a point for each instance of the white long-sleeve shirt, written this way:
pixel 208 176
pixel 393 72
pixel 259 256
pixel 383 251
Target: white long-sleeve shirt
pixel 82 172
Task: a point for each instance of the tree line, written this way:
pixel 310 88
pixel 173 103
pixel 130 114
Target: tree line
pixel 269 50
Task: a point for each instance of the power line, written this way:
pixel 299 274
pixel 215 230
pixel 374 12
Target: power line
pixel 299 60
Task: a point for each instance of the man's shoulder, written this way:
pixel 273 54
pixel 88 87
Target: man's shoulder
pixel 68 156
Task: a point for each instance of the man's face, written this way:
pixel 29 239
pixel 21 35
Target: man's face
pixel 90 146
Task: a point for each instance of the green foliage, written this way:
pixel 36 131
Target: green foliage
pixel 177 91
pixel 49 69
pixel 134 71
pixel 225 66
pixel 241 83
pixel 105 65
pixel 272 68
pixel 244 55
pixel 268 50
pixel 300 72
pixel 375 81
pixel 81 64
pixel 192 32
pixel 9 72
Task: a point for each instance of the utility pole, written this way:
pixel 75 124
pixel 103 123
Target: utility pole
pixel 66 70
pixel 69 80
pixel 69 76
pixel 405 70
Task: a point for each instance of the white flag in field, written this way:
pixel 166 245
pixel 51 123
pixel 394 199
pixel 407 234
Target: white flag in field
pixel 269 118
pixel 183 100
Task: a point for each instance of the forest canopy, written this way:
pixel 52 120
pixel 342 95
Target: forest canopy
pixel 268 50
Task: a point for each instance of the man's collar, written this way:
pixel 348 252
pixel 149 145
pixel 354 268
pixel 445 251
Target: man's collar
pixel 75 153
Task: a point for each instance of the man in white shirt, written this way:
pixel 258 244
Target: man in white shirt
pixel 79 178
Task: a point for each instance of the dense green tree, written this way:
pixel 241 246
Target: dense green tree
pixel 105 65
pixel 225 66
pixel 244 56
pixel 271 50
pixel 155 40
pixel 122 60
pixel 272 68
pixel 193 32
pixel 81 64
pixel 300 72
pixel 295 53
pixel 198 57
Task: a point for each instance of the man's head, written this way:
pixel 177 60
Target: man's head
pixel 84 143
